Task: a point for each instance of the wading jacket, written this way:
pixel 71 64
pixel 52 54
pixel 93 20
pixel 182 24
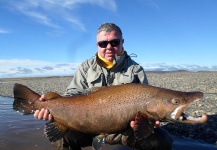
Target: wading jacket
pixel 91 73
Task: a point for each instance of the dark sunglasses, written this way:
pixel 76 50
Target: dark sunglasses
pixel 103 44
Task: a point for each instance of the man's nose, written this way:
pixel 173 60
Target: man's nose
pixel 109 46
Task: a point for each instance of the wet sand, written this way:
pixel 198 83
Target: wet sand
pixel 184 81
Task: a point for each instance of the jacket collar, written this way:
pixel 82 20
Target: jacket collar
pixel 117 61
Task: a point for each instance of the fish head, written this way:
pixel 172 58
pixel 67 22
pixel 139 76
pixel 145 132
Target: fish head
pixel 170 105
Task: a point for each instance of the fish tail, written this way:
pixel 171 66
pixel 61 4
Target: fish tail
pixel 24 99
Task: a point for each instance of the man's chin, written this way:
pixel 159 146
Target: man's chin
pixel 109 58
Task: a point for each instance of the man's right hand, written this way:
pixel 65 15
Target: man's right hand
pixel 43 114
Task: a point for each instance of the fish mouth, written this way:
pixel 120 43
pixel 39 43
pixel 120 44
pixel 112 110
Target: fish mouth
pixel 178 115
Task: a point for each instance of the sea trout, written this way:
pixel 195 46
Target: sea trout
pixel 108 110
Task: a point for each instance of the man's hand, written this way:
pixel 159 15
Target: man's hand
pixel 138 120
pixel 143 127
pixel 43 114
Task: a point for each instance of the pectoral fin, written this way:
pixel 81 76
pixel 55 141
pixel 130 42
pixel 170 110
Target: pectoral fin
pixel 54 131
pixel 143 126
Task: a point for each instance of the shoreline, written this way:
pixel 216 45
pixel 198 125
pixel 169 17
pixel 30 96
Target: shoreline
pixel 182 81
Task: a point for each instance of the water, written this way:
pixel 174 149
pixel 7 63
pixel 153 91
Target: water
pixel 18 131
pixel 25 132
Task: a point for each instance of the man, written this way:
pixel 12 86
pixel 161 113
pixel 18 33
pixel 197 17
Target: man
pixel 111 66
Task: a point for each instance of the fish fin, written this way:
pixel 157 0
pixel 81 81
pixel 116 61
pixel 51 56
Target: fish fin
pixel 24 99
pixel 144 126
pixel 51 95
pixel 98 141
pixel 54 131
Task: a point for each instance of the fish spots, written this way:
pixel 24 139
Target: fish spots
pixel 102 101
pixel 185 98
pixel 30 102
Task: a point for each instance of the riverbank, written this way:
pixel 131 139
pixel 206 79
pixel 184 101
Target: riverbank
pixel 184 81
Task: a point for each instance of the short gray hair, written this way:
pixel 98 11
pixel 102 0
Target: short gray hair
pixel 108 27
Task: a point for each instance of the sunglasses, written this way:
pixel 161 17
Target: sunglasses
pixel 103 44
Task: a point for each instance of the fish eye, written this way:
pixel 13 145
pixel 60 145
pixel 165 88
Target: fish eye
pixel 176 101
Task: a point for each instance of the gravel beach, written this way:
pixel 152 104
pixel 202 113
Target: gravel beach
pixel 183 81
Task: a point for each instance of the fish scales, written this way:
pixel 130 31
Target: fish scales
pixel 104 113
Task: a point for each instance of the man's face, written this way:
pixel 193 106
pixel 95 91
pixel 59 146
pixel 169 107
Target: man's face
pixel 111 50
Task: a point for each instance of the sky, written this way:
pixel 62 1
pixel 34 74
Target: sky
pixel 52 37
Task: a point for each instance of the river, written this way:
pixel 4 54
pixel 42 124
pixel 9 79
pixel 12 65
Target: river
pixel 18 131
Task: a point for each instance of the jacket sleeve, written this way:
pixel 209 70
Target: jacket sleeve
pixel 140 74
pixel 78 84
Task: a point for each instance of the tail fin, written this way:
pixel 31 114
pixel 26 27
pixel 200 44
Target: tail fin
pixel 24 99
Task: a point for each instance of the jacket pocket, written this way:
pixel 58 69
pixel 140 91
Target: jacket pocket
pixel 125 78
pixel 94 79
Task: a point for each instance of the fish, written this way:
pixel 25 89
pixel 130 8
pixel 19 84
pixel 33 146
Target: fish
pixel 108 110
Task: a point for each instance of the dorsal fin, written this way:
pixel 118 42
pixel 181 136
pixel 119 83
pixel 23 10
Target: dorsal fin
pixel 51 95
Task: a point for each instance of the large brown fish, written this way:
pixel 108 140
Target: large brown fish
pixel 108 110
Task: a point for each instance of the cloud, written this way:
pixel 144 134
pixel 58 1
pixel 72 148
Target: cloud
pixel 52 12
pixel 34 68
pixel 48 68
pixel 62 65
pixel 31 68
pixel 150 3
pixel 3 31
pixel 177 67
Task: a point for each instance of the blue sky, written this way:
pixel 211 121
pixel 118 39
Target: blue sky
pixel 52 37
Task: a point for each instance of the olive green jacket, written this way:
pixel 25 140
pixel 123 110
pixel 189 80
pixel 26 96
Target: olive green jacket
pixel 91 73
